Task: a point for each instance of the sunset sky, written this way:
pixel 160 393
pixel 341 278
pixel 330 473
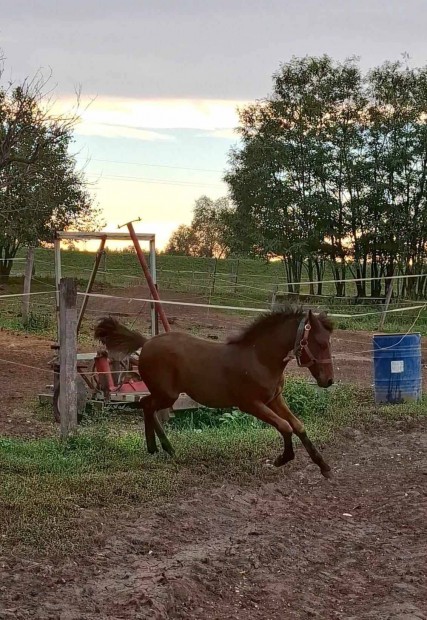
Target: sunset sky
pixel 165 77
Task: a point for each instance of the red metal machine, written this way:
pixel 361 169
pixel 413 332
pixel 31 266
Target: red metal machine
pixel 102 379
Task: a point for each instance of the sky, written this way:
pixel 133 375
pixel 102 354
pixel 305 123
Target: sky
pixel 161 81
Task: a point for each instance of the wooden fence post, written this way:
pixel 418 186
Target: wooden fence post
pixel 234 269
pixel 236 275
pixel 68 356
pixel 273 297
pixel 386 305
pixel 104 267
pixel 27 286
pixel 213 278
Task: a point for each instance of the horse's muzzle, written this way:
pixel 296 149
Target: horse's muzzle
pixel 325 383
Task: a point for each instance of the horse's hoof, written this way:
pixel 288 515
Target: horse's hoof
pixel 169 450
pixel 152 449
pixel 326 473
pixel 282 459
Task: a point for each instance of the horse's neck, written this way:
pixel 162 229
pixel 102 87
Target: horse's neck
pixel 274 346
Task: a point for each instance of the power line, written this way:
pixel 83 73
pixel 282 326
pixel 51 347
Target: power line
pixel 137 163
pixel 155 181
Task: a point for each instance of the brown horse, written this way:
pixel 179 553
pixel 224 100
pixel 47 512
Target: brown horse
pixel 246 372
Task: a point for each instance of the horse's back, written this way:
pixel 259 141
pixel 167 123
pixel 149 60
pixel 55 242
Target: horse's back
pixel 179 347
pixel 177 362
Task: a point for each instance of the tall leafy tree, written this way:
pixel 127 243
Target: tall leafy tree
pixel 397 157
pixel 183 242
pixel 333 166
pixel 208 233
pixel 41 189
pixel 279 178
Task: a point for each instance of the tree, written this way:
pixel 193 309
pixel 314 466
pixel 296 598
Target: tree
pixel 207 234
pixel 182 242
pixel 40 188
pixel 333 165
pixel 397 158
pixel 277 179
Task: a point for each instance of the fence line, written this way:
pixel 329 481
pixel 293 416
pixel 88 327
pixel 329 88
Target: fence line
pixel 352 280
pixel 209 306
pixel 175 303
pixel 240 308
pixel 9 295
pixel 6 260
pixel 43 282
pixel 228 275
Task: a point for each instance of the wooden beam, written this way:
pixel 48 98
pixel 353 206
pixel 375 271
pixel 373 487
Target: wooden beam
pixel 91 282
pixel 58 277
pixel 148 277
pixel 68 356
pixel 114 236
pixel 153 271
pixel 47 399
pixel 27 286
pixel 273 297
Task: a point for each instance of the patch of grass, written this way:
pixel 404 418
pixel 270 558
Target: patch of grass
pixel 50 489
pixel 55 495
pixel 41 322
pixel 304 399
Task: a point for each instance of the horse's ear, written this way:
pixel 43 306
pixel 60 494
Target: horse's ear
pixel 323 314
pixel 312 317
pixel 234 338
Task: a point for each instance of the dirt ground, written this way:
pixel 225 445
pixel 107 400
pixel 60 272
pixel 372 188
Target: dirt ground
pixel 298 547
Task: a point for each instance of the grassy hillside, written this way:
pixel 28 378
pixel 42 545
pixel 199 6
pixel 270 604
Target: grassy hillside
pixel 242 283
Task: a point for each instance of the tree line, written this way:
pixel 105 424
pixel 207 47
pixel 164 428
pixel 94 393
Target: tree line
pixel 331 170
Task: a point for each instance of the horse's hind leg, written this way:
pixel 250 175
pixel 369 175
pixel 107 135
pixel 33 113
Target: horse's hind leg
pixel 279 406
pixel 165 443
pixel 146 403
pixel 153 425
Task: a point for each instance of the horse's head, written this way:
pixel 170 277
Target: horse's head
pixel 314 348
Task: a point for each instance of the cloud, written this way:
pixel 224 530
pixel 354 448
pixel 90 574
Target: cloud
pixel 119 131
pixel 226 134
pixel 213 115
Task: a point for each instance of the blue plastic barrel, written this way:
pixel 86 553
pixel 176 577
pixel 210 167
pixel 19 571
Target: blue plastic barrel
pixel 397 367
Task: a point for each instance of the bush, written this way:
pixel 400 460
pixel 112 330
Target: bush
pixel 38 322
pixel 303 398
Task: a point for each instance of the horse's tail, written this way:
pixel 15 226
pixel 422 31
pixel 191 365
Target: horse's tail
pixel 117 337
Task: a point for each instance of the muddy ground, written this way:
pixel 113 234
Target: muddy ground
pixel 298 547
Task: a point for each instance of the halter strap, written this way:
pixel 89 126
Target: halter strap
pixel 301 346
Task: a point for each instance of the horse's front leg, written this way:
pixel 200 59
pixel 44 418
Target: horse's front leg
pixel 264 413
pixel 279 406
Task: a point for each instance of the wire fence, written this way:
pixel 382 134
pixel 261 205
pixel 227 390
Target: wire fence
pixel 196 290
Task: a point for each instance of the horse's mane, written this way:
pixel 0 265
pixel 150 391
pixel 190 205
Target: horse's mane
pixel 269 320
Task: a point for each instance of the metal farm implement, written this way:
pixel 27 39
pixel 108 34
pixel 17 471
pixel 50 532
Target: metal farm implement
pixel 101 378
